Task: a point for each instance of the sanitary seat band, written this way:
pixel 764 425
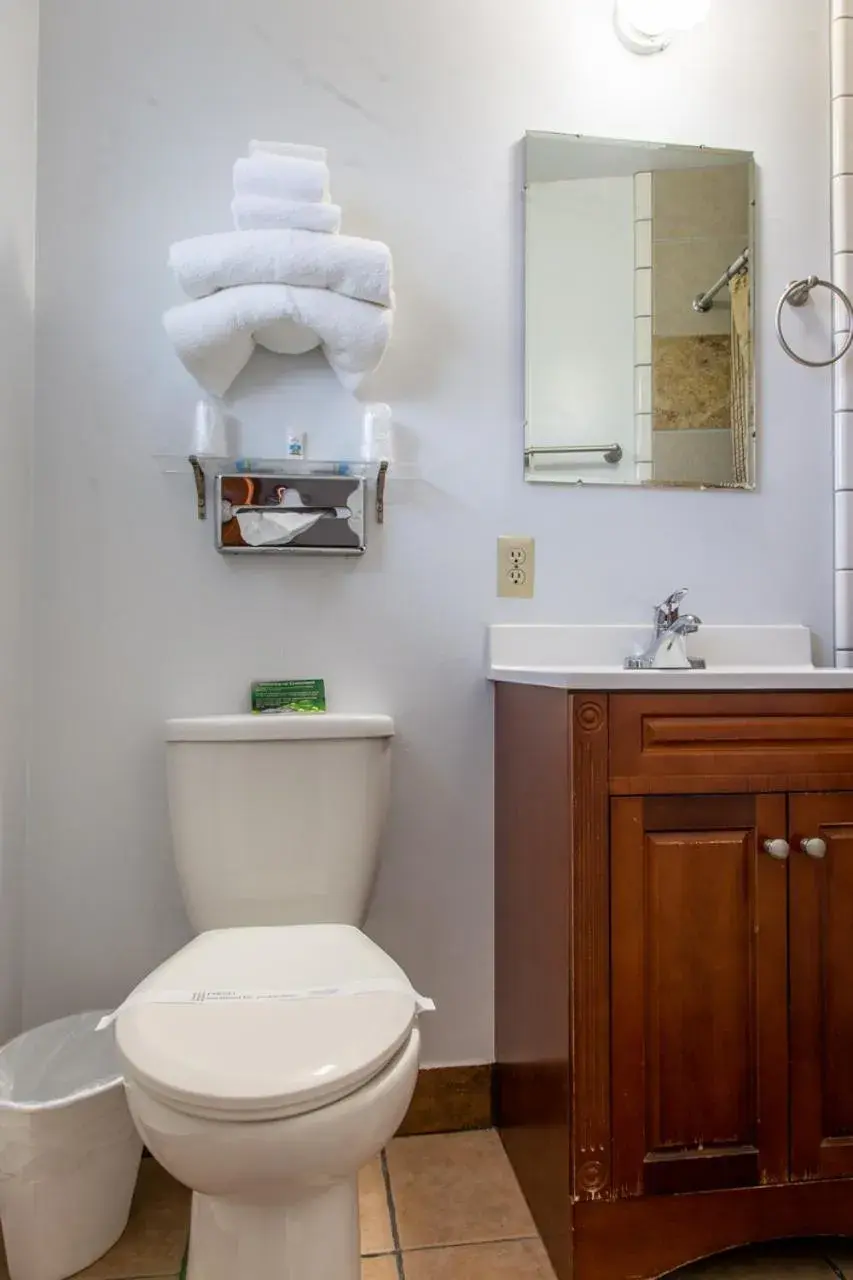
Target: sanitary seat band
pixel 368 986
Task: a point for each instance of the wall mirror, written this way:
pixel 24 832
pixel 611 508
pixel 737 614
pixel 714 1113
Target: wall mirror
pixel 639 314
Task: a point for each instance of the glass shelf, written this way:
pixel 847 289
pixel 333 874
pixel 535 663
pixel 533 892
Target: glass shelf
pixel 206 467
pixel 179 464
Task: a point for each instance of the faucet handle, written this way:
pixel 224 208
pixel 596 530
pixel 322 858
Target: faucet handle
pixel 667 612
pixel 673 601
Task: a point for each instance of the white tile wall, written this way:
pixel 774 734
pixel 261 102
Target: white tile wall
pixel 643 232
pixel 644 437
pixel 842 213
pixel 643 326
pixel 844 609
pixel 844 529
pixel 643 292
pixel 843 385
pixel 842 274
pixel 843 450
pixel 842 135
pixel 643 196
pixel 643 388
pixel 643 340
pixel 842 268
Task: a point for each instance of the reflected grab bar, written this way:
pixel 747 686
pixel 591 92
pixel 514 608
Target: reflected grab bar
pixel 705 301
pixel 613 453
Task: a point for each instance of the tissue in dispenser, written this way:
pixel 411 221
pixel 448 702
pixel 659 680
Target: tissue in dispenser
pixel 305 514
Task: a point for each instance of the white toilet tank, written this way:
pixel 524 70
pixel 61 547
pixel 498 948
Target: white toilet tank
pixel 276 819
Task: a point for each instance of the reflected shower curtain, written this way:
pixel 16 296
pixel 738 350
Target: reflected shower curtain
pixel 741 378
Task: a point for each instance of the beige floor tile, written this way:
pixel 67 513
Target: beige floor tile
pixel 376 1234
pixel 455 1188
pixel 518 1260
pixel 797 1260
pixel 156 1235
pixel 379 1269
pixel 841 1253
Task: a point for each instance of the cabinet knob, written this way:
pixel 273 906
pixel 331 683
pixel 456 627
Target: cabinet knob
pixel 815 848
pixel 778 849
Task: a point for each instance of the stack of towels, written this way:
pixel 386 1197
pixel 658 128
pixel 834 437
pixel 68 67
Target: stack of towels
pixel 285 279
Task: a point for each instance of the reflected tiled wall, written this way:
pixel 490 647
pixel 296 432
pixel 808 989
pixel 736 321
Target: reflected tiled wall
pixel 842 267
pixel 692 383
pixel 700 224
pixel 643 326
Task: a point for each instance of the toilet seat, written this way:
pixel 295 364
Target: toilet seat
pixel 266 1059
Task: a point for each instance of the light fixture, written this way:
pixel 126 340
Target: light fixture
pixel 647 26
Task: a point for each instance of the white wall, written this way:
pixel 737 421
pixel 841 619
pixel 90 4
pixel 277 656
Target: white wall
pixel 18 61
pixel 580 322
pixel 144 105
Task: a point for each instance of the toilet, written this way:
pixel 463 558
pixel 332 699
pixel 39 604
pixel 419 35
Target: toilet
pixel 275 1055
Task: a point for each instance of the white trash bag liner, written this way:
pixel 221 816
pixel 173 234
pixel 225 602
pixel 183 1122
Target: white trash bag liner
pixel 69 1152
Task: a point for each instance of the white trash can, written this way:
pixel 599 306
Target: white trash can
pixel 69 1152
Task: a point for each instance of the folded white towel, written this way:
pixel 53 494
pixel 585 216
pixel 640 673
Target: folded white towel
pixel 298 149
pixel 264 213
pixel 283 177
pixel 215 337
pixel 343 264
pixel 287 338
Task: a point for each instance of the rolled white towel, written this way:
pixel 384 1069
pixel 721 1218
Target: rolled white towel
pixel 283 177
pixel 344 264
pixel 264 213
pixel 301 150
pixel 215 337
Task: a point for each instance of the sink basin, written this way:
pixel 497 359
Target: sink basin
pixel 592 657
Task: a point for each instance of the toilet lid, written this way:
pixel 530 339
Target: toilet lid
pixel 273 1055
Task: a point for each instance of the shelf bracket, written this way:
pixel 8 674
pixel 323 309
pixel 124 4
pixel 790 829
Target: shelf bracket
pixel 381 477
pixel 200 487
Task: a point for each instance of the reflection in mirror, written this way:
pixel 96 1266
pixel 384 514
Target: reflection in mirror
pixel 639 314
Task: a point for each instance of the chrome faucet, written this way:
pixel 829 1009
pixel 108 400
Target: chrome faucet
pixel 667 647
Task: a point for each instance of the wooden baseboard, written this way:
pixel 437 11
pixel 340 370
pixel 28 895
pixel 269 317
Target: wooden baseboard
pixel 450 1099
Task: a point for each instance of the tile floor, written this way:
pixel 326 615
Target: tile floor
pixel 436 1208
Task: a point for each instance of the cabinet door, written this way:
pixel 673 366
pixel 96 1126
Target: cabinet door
pixel 821 986
pixel 699 993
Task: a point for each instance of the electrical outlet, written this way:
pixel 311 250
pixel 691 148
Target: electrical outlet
pixel 516 567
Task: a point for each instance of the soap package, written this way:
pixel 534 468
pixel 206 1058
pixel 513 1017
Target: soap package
pixel 274 697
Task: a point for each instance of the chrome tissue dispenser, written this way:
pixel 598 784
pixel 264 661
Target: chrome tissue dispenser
pixel 295 514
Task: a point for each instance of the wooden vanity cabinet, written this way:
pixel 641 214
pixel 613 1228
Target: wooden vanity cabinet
pixel 674 951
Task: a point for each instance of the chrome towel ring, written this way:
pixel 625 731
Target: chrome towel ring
pixel 797 294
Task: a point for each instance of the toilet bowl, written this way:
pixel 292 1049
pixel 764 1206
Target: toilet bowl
pixel 264 1067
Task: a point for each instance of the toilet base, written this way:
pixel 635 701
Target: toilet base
pixel 314 1235
pixel 278 1199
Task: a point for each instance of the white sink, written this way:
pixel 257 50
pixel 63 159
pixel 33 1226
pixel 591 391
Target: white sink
pixel 592 657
